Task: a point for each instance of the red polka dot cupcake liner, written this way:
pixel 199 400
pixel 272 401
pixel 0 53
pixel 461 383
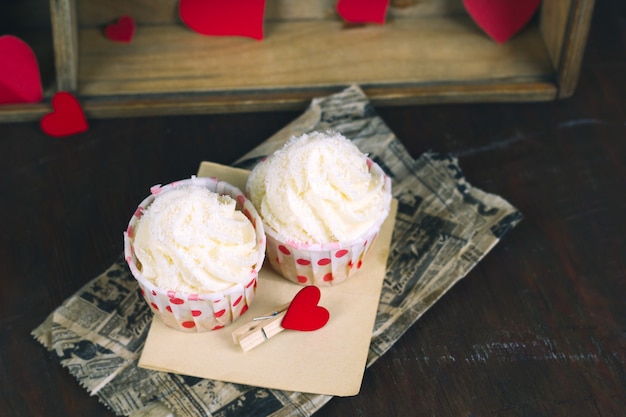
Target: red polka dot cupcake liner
pixel 324 264
pixel 320 267
pixel 199 312
pixel 190 312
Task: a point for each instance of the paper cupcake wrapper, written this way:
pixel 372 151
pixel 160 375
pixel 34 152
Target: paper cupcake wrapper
pixel 318 267
pixel 198 312
pixel 324 264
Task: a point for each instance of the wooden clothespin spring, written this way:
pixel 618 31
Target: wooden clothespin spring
pixel 303 313
pixel 260 329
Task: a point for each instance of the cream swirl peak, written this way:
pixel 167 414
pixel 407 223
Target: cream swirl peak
pixel 193 240
pixel 319 188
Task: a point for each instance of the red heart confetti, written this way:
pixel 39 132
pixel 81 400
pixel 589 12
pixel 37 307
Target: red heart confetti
pixel 224 18
pixel 66 119
pixel 121 31
pixel 501 19
pixel 363 11
pixel 304 313
pixel 20 81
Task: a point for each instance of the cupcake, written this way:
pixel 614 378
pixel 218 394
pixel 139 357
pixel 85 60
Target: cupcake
pixel 196 247
pixel 322 202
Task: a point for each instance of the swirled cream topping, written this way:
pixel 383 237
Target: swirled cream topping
pixel 318 188
pixel 193 240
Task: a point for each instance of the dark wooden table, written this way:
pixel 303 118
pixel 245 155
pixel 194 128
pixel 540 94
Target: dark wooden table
pixel 538 328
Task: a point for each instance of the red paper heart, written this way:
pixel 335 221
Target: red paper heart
pixel 363 11
pixel 224 18
pixel 20 81
pixel 303 313
pixel 501 19
pixel 66 119
pixel 122 31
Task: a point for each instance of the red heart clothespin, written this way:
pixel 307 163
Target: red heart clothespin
pixel 302 314
pixel 121 31
pixel 224 18
pixel 501 19
pixel 20 81
pixel 67 117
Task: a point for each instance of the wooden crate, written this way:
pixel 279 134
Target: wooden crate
pixel 428 51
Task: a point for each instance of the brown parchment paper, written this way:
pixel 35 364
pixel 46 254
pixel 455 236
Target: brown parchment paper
pixel 328 361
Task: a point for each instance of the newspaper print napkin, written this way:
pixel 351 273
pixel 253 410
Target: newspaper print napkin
pixel 444 227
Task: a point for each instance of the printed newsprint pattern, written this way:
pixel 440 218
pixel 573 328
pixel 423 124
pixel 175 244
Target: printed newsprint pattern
pixel 444 227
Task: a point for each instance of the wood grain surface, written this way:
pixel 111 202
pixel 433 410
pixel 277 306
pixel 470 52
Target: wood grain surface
pixel 428 51
pixel 538 328
pixel 171 58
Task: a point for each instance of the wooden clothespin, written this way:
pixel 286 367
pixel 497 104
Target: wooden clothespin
pixel 302 314
pixel 260 329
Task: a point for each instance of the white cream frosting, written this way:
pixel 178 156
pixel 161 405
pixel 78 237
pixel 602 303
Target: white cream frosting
pixel 318 188
pixel 193 240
